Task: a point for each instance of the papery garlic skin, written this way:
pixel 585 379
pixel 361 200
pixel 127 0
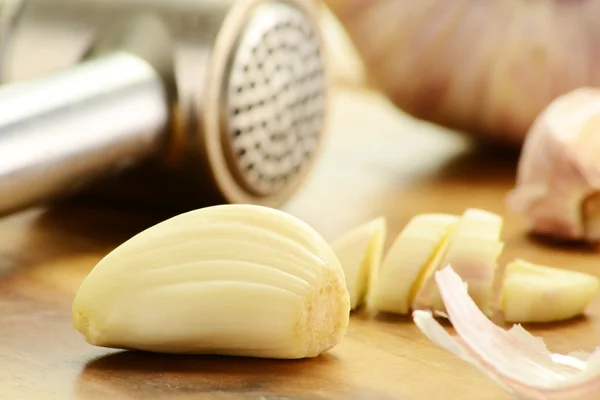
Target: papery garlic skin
pixel 488 68
pixel 359 252
pixel 416 250
pixel 537 293
pixel 238 280
pixel 558 179
pixel 538 374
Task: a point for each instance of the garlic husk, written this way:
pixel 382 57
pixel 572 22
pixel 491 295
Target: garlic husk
pixel 484 67
pixel 558 177
pixel 231 280
pixel 516 360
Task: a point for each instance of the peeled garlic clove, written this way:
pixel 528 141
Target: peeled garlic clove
pixel 417 249
pixel 558 178
pixel 237 280
pixel 359 252
pixel 473 253
pixel 483 67
pixel 537 293
pixel 538 374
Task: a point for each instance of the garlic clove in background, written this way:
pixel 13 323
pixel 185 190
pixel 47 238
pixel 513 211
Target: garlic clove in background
pixel 229 280
pixel 485 67
pixel 557 189
pixel 346 66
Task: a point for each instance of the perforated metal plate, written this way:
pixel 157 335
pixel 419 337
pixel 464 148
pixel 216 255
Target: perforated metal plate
pixel 275 98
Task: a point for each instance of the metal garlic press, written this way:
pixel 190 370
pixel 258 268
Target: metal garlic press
pixel 186 102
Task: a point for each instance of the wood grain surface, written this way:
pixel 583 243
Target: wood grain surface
pixel 377 163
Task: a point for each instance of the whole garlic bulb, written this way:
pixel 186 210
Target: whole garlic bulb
pixel 238 280
pixel 557 190
pixel 488 67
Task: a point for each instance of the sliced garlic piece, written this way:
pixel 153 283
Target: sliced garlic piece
pixel 359 252
pixel 536 293
pixel 239 280
pixel 416 250
pixel 472 252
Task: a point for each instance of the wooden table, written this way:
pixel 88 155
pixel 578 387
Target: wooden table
pixel 378 162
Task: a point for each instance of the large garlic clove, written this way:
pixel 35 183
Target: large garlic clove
pixel 536 293
pixel 473 253
pixel 416 250
pixel 558 178
pixel 232 280
pixel 485 67
pixel 359 252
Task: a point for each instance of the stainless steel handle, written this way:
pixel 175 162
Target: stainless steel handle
pixel 60 131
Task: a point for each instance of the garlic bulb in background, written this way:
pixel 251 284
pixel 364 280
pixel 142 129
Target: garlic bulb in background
pixel 488 67
pixel 558 180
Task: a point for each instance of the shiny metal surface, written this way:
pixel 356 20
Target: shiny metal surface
pixel 275 98
pixel 196 50
pixel 60 132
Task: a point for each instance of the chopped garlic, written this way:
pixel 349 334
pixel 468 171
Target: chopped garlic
pixel 473 250
pixel 360 251
pixel 417 249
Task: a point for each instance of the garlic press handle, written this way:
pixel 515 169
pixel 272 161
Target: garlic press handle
pixel 63 130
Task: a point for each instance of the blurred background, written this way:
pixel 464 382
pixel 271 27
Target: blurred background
pixel 195 102
pixel 487 68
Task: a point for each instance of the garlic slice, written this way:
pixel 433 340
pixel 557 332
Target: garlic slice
pixel 473 252
pixel 514 359
pixel 415 251
pixel 539 293
pixel 360 251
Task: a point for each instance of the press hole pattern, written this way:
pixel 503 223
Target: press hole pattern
pixel 276 98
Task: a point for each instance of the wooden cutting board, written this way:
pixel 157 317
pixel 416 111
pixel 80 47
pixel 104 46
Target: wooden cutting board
pixel 378 162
